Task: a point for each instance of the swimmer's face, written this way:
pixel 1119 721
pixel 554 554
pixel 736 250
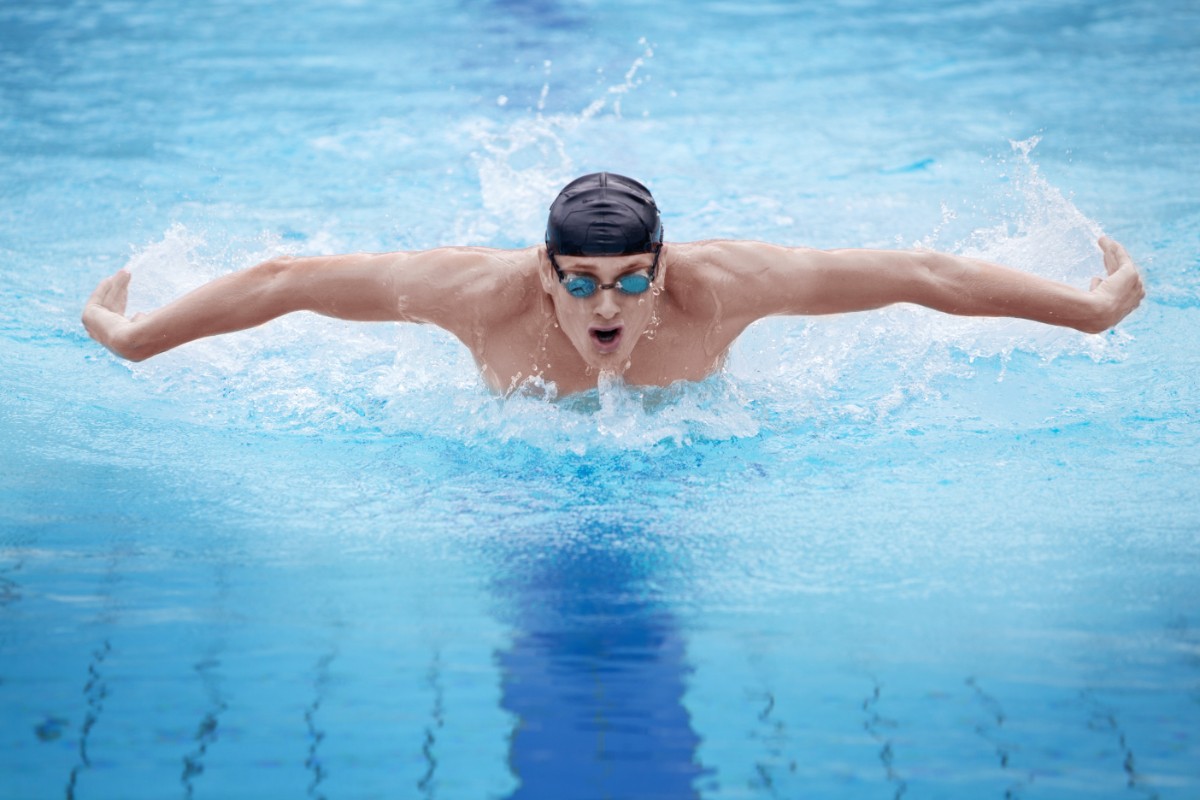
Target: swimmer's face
pixel 606 326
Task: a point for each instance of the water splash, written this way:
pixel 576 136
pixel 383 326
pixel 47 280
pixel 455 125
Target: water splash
pixel 619 417
pixel 312 375
pixel 523 162
pixel 806 366
pixel 302 372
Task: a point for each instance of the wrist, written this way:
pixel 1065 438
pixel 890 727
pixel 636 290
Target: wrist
pixel 115 332
pixel 1097 316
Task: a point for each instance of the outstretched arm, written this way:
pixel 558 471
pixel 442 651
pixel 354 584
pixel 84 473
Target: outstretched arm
pixel 415 287
pixel 792 281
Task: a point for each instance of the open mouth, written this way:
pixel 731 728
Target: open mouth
pixel 607 340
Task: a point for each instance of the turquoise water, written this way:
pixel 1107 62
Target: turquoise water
pixel 883 555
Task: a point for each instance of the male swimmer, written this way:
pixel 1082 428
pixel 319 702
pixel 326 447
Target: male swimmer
pixel 606 294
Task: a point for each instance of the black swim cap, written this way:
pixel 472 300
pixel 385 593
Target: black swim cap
pixel 603 214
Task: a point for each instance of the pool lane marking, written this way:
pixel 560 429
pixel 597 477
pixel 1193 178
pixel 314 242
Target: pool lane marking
pixel 315 735
pixel 887 754
pixel 94 692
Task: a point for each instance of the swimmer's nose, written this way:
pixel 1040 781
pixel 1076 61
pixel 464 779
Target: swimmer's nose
pixel 607 307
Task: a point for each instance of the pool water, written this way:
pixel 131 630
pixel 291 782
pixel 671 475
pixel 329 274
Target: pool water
pixel 889 555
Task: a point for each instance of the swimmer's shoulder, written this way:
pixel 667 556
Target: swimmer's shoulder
pixel 702 269
pixel 718 259
pixel 728 275
pixel 467 288
pixel 495 285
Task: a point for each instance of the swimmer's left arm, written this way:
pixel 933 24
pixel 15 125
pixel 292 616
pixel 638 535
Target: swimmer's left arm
pixel 798 281
pixel 452 287
pixel 350 287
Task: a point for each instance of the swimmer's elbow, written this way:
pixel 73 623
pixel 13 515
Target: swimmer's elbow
pixel 939 281
pixel 275 269
pixel 273 283
pixel 932 270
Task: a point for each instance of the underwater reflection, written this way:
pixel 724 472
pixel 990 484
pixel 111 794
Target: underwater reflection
pixel 596 671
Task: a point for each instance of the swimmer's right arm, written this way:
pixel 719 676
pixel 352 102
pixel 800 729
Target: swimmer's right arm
pixel 781 280
pixel 416 287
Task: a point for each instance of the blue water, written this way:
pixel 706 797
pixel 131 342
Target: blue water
pixel 883 555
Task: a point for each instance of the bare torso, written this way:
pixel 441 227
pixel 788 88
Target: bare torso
pixel 686 339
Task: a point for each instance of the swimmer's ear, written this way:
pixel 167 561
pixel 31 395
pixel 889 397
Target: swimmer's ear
pixel 661 270
pixel 546 272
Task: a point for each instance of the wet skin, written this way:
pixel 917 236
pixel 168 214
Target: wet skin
pixel 605 327
pixel 521 324
pixel 536 329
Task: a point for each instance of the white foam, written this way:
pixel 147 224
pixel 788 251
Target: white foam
pixel 615 416
pixel 523 162
pixel 314 375
pixel 802 363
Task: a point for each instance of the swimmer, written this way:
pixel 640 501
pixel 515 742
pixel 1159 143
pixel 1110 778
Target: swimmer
pixel 606 294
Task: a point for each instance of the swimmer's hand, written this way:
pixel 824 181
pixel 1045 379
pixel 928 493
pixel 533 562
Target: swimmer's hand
pixel 1120 292
pixel 104 315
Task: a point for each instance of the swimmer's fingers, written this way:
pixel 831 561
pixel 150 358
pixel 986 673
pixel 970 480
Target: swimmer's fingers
pixel 120 295
pixel 104 313
pixel 112 293
pixel 1115 256
pixel 1122 288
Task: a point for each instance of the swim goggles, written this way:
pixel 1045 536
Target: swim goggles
pixel 583 286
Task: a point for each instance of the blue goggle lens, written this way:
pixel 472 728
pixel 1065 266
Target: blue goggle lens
pixel 633 284
pixel 583 286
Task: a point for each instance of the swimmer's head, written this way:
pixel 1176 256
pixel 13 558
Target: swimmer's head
pixel 603 214
pixel 603 244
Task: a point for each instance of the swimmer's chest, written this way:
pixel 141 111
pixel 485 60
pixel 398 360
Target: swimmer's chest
pixel 679 354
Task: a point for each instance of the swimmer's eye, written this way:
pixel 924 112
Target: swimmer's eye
pixel 584 286
pixel 580 286
pixel 633 284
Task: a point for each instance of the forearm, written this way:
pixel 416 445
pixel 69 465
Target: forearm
pixel 231 303
pixel 971 287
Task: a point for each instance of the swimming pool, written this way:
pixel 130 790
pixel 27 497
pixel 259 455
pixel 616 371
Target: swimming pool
pixel 883 555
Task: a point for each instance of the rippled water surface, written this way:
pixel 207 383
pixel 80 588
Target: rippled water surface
pixel 883 555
